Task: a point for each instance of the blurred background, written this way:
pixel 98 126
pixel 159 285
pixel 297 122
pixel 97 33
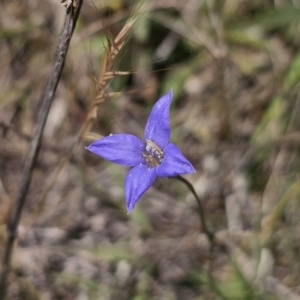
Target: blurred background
pixel 234 67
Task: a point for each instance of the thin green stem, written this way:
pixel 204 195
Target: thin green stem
pixel 209 234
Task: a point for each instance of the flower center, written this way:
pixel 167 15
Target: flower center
pixel 153 154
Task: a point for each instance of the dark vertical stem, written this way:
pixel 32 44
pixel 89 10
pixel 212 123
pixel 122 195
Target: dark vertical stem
pixel 71 17
pixel 209 235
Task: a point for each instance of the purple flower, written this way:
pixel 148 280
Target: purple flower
pixel 152 157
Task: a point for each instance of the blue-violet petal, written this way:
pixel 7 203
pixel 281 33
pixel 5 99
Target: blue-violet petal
pixel 157 128
pixel 122 149
pixel 174 163
pixel 137 182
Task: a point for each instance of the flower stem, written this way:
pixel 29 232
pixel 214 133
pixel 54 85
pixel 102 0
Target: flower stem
pixel 208 234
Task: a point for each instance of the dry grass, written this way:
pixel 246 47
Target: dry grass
pixel 234 68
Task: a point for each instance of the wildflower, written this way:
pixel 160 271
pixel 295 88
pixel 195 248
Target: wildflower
pixel 153 157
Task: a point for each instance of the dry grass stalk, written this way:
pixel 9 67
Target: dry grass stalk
pixel 106 74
